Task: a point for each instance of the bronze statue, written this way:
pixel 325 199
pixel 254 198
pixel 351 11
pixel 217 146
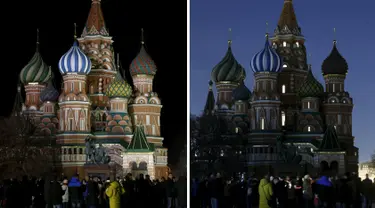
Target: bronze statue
pixel 287 154
pixel 95 155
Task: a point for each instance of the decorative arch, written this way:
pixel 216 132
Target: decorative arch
pixel 70 120
pixel 324 166
pixel 334 166
pixel 333 99
pixel 133 165
pixel 141 100
pixel 309 128
pixel 155 100
pixel 82 120
pixel 346 101
pixel 142 166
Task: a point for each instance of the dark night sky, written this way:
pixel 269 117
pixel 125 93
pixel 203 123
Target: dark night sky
pixel 355 27
pixel 165 36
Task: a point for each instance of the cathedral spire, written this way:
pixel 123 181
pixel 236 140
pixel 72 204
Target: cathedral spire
pixel 210 103
pixel 18 102
pixel 288 19
pixel 95 24
pixel 37 39
pixel 229 37
pixel 142 37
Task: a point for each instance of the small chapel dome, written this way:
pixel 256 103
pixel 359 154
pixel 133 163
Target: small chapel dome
pixel 310 87
pixel 119 87
pixel 49 93
pixel 241 93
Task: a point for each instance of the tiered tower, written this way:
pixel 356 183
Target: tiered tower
pixel 265 103
pixel 309 119
pixel 227 76
pixel 49 123
pixel 289 44
pixel 145 106
pixel 97 45
pixel 119 92
pixel 74 104
pixel 34 76
pixel 338 105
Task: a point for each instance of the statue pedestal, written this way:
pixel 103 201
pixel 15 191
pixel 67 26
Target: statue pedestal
pixel 288 169
pixel 98 170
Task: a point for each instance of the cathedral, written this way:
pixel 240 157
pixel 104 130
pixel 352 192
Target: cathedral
pixel 286 101
pixel 96 101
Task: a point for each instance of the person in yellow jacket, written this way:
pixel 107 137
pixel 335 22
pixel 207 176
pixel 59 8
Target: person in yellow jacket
pixel 265 193
pixel 114 192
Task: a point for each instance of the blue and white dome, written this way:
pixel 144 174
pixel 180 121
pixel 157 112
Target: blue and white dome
pixel 74 61
pixel 266 60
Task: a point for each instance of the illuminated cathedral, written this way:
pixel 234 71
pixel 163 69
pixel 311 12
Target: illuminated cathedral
pixel 286 100
pixel 95 100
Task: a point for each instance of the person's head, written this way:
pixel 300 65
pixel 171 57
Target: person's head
pixel 275 180
pixel 170 176
pixel 218 175
pixel 287 178
pixel 162 179
pixel 65 181
pixel 84 182
pixel 367 176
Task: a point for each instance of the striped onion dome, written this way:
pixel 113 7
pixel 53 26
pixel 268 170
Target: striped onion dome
pixel 143 63
pixel 49 93
pixel 36 70
pixel 310 87
pixel 228 69
pixel 74 61
pixel 266 60
pixel 119 87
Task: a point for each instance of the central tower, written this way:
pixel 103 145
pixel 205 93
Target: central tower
pixel 96 43
pixel 289 42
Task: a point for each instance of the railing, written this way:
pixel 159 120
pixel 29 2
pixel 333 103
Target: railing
pixel 73 158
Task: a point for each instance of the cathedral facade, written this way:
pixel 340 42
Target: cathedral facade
pixel 286 101
pixel 96 101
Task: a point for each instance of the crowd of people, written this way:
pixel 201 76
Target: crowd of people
pixel 348 191
pixel 93 192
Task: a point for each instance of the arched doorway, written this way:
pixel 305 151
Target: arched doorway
pixel 324 166
pixel 334 167
pixel 136 170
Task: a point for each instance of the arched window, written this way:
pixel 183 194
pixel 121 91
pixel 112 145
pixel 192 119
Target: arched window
pixel 283 89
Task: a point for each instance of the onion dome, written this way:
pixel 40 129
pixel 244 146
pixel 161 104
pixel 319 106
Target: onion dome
pixel 143 63
pixel 36 70
pixel 310 87
pixel 119 87
pixel 241 92
pixel 49 93
pixel 228 69
pixel 335 63
pixel 74 61
pixel 266 60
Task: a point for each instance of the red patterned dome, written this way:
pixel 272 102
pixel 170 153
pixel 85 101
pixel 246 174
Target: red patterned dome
pixel 143 64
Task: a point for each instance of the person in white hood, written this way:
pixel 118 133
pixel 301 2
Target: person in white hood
pixel 65 197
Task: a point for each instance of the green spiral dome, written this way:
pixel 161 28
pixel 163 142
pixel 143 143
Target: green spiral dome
pixel 310 87
pixel 35 71
pixel 119 88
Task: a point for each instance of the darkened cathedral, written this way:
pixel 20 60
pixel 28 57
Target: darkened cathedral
pixel 289 123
